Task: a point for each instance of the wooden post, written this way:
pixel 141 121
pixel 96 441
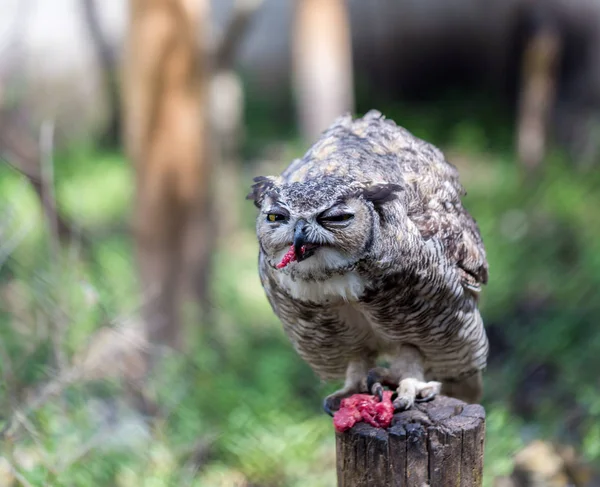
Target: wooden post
pixel 437 444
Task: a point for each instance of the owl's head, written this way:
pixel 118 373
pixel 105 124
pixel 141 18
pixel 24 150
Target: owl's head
pixel 332 218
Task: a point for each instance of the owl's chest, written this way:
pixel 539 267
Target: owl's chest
pixel 347 287
pixel 365 327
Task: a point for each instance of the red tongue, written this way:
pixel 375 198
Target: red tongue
pixel 290 256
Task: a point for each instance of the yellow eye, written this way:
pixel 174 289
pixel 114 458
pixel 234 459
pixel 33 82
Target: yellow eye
pixel 275 217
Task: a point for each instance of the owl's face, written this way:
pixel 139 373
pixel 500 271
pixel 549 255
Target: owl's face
pixel 331 219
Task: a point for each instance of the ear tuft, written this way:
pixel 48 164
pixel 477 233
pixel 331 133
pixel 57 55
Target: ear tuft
pixel 261 185
pixel 379 193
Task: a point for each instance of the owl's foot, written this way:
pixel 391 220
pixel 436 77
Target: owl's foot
pixel 356 383
pixel 409 391
pixel 379 377
pixel 414 390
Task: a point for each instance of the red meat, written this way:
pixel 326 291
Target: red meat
pixel 290 256
pixel 364 407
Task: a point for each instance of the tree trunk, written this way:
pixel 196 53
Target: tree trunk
pixel 537 96
pixel 322 64
pixel 165 111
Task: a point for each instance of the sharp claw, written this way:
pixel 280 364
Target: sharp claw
pixel 327 408
pixel 372 379
pixel 374 384
pixel 377 390
pixel 400 404
pixel 428 397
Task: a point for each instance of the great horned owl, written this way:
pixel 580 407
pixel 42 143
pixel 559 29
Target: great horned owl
pixel 367 254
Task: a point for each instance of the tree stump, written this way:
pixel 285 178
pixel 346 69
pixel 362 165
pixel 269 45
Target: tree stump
pixel 437 444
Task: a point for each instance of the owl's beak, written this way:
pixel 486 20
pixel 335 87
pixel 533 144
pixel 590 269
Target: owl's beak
pixel 299 239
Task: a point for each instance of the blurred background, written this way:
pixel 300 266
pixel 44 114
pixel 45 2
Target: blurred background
pixel 137 347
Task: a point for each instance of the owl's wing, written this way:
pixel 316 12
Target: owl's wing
pixel 469 253
pixel 438 213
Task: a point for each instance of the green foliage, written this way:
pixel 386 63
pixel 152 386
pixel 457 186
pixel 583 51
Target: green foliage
pixel 96 192
pixel 240 407
pixel 502 441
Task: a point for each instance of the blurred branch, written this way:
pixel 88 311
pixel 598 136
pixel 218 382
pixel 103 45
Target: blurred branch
pixel 49 202
pixel 107 61
pixel 241 18
pixel 20 149
pixel 80 239
pixel 25 158
pixel 9 244
pixel 38 440
pixel 47 184
pixel 105 53
pixel 8 377
pixel 226 124
pixel 226 100
pixel 50 390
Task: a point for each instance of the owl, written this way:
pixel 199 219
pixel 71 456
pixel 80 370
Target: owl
pixel 373 265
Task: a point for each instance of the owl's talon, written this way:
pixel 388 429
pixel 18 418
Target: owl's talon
pixel 332 402
pixel 377 390
pixel 429 391
pixel 373 383
pixel 373 377
pixel 426 398
pixel 327 407
pixel 401 404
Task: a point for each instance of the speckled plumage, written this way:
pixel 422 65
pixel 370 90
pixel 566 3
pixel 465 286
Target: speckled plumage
pixel 400 278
